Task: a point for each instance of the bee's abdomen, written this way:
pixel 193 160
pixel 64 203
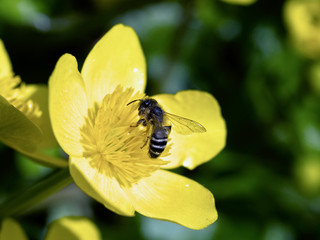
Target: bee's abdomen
pixel 157 145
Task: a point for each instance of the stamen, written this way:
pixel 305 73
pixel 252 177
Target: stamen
pixel 15 92
pixel 112 145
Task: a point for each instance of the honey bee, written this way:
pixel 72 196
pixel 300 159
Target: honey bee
pixel 154 118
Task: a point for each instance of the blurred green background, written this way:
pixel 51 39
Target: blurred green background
pixel 261 62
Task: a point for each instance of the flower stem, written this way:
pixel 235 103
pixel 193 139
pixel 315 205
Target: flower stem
pixel 22 201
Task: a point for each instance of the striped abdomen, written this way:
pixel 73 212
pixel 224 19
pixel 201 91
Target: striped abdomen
pixel 158 141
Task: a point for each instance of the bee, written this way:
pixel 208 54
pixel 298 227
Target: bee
pixel 155 119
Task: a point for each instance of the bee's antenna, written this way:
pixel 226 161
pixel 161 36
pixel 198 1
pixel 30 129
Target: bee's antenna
pixel 134 101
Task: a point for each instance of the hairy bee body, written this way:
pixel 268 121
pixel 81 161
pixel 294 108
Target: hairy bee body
pixel 153 117
pixel 158 141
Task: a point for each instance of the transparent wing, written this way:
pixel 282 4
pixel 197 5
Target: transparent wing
pixel 183 125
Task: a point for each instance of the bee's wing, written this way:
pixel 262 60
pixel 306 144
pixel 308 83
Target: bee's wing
pixel 185 126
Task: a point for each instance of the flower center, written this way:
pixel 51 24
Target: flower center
pixel 112 142
pixel 15 92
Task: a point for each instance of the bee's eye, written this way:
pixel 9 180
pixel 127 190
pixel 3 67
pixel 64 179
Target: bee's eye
pixel 146 103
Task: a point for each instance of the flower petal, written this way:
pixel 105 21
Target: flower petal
pixel 39 94
pixel 99 186
pixel 73 228
pixel 117 58
pixel 11 229
pixel 67 104
pixel 5 64
pixel 16 130
pixel 168 196
pixel 195 149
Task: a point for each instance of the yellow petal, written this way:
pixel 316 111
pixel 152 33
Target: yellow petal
pixel 39 94
pixel 73 228
pixel 98 185
pixel 195 149
pixel 168 196
pixel 240 2
pixel 16 130
pixel 5 64
pixel 67 104
pixel 117 58
pixel 10 229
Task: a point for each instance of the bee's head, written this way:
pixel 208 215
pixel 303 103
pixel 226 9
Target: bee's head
pixel 145 105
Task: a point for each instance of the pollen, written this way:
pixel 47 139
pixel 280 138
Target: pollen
pixel 15 92
pixel 113 143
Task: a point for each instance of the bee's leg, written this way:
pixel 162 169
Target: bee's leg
pixel 147 139
pixel 149 132
pixel 144 122
pixel 141 121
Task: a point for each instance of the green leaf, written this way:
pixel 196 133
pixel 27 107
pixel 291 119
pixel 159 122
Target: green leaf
pixel 21 201
pixel 16 130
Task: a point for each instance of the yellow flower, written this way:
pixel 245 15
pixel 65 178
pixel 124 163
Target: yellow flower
pixel 10 229
pixel 307 173
pixel 93 124
pixel 71 228
pixel 15 110
pixel 302 19
pixel 24 118
pixel 240 2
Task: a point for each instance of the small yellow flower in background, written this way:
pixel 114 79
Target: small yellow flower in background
pixel 240 2
pixel 24 119
pixel 302 20
pixel 69 228
pixel 307 174
pixel 73 228
pixel 93 124
pixel 11 229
